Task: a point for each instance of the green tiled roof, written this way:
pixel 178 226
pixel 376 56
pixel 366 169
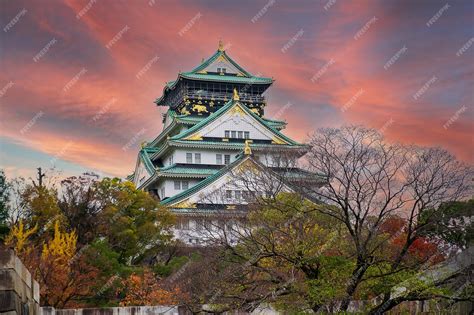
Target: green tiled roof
pixel 246 78
pixel 216 55
pixel 225 78
pixel 180 169
pixel 226 145
pixel 145 157
pixel 220 112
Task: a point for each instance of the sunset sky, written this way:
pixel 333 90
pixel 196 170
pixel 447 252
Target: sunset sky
pixel 78 78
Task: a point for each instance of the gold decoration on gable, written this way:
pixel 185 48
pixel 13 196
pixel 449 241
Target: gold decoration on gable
pixel 199 109
pixel 276 140
pixel 237 110
pixel 185 111
pixel 256 111
pixel 184 205
pixel 196 137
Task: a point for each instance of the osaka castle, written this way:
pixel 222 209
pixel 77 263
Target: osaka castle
pixel 214 128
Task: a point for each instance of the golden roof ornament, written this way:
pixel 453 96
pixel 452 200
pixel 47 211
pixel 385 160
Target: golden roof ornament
pixel 247 149
pixel 221 46
pixel 236 96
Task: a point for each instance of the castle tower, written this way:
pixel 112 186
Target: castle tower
pixel 214 125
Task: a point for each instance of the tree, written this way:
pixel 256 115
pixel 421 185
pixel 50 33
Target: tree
pixel 4 198
pixel 134 223
pixel 287 254
pixel 145 290
pixel 63 273
pixel 370 180
pixel 380 200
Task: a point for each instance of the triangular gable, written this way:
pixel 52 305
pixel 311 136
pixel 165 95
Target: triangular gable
pixel 215 185
pixel 144 168
pixel 233 115
pixel 221 60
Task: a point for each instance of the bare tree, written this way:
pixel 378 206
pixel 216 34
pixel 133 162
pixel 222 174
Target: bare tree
pixel 370 180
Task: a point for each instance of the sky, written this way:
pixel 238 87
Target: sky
pixel 78 78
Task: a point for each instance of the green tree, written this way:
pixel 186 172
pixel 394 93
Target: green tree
pixel 4 206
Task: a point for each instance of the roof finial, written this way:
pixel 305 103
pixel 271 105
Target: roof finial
pixel 221 45
pixel 236 96
pixel 247 149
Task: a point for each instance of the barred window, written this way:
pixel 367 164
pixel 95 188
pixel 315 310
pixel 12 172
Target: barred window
pixel 185 184
pixel 189 158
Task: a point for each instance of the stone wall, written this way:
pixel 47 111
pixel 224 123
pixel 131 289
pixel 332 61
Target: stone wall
pixel 19 292
pixel 132 310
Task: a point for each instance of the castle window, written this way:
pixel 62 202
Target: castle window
pixel 223 70
pixel 189 158
pixel 240 134
pixel 185 184
pixel 197 158
pixel 246 135
pixel 185 224
pixel 227 133
pixel 177 185
pixel 227 159
pixel 219 159
pixel 238 194
pixel 233 134
pixel 218 69
pixel 228 194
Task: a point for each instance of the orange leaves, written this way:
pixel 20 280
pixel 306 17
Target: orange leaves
pixel 146 290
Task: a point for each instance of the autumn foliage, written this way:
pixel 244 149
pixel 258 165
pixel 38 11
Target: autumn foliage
pixel 145 289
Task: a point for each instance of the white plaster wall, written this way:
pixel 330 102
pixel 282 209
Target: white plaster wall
pixel 221 64
pixel 207 156
pixel 141 175
pixel 236 122
pixel 168 184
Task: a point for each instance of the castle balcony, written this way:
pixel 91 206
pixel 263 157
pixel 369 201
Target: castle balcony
pixel 225 96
